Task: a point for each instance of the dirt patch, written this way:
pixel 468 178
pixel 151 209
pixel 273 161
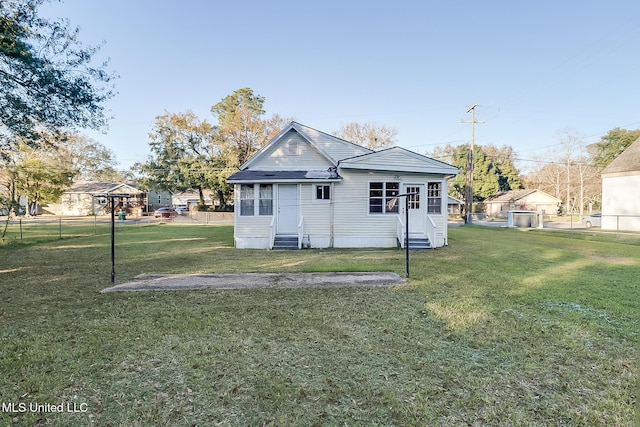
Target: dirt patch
pixel 163 282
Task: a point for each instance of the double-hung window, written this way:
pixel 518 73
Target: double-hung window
pixel 256 195
pixel 247 200
pixel 266 199
pixel 434 198
pixel 381 197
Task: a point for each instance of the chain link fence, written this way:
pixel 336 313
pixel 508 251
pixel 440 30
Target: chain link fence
pixel 50 228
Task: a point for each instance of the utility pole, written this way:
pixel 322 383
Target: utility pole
pixel 468 185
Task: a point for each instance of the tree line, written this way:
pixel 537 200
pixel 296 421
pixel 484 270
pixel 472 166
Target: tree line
pixel 52 88
pixel 570 172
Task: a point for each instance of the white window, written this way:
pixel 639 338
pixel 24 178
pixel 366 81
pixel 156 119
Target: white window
pixel 247 201
pixel 294 148
pixel 381 196
pixel 256 195
pixel 434 198
pixel 266 199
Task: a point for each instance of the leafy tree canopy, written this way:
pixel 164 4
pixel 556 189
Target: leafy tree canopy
pixel 611 145
pixel 370 135
pixel 47 76
pixel 493 169
pixel 184 154
pixel 42 174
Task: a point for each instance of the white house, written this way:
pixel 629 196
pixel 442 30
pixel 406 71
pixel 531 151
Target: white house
pixel 311 189
pixel 80 198
pixel 621 191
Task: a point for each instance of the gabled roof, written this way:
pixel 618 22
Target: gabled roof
pixel 514 196
pixel 330 147
pixel 103 187
pixel 627 161
pixel 453 201
pixel 398 159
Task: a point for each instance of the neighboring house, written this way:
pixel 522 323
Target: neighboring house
pixel 621 191
pixel 454 206
pixel 191 197
pixel 158 199
pixel 316 190
pixel 81 198
pixel 529 200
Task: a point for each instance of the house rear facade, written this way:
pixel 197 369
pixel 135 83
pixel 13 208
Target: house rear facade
pixel 312 189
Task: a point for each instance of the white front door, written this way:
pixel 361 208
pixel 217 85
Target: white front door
pixel 287 209
pixel 417 208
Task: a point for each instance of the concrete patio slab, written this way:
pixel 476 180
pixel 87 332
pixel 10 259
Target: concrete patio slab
pixel 164 282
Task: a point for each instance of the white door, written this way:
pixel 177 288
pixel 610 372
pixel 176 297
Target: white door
pixel 417 209
pixel 287 209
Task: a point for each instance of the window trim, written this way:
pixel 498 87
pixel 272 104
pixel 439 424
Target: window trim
pixel 317 187
pixel 265 199
pixel 244 209
pixel 385 197
pixel 438 197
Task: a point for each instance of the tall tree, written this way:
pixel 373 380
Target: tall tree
pixel 611 145
pixel 493 169
pixel 184 155
pixel 503 159
pixel 569 174
pixel 370 135
pixel 241 130
pixel 41 170
pixel 47 76
pixel 87 158
pixel 40 175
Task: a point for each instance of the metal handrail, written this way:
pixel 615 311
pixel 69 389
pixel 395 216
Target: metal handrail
pixel 272 232
pixel 300 232
pixel 400 230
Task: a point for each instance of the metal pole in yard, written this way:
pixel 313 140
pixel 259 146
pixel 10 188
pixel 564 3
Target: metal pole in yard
pixel 113 239
pixel 21 229
pixel 406 233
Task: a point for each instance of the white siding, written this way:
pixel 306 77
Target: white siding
pixel 250 231
pixel 316 217
pixel 355 227
pixel 621 196
pixel 279 158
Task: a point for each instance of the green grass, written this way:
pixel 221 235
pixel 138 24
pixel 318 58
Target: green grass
pixel 502 327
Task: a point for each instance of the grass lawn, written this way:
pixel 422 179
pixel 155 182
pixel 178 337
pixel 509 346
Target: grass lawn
pixel 502 327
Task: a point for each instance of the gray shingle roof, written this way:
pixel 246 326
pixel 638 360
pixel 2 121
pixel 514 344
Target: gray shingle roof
pixel 266 175
pixel 100 187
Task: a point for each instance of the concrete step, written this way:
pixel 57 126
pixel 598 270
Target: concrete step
pixel 419 243
pixel 285 242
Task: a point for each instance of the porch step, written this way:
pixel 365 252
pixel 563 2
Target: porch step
pixel 419 243
pixel 285 242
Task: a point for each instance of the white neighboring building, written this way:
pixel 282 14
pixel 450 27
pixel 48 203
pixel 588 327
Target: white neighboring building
pixel 621 191
pixel 312 189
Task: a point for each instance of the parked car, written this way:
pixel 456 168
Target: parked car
pixel 182 210
pixel 593 220
pixel 164 213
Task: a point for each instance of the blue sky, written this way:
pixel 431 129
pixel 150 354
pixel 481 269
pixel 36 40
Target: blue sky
pixel 535 69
